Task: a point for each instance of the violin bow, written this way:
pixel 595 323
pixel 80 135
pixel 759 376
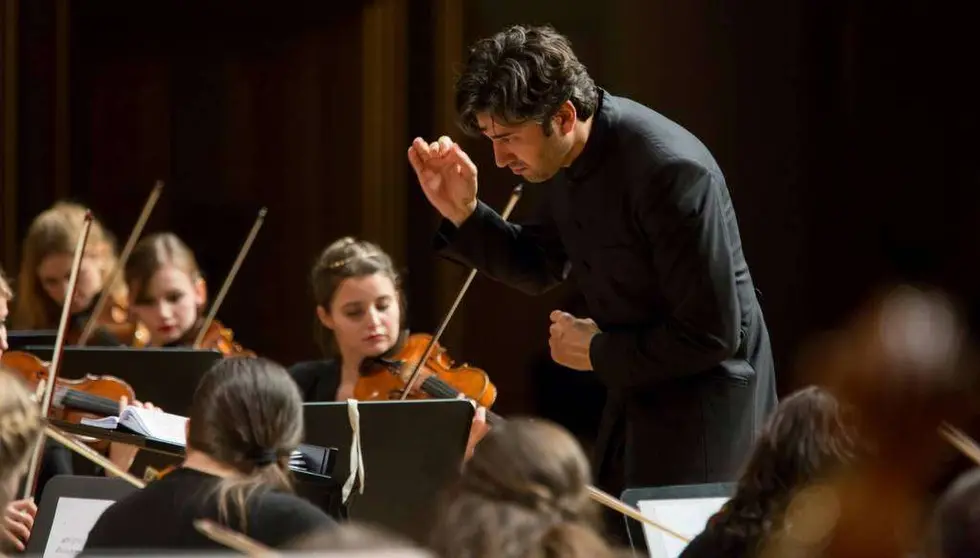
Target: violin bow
pixel 231 277
pixel 232 539
pixel 597 495
pixel 90 454
pixel 151 201
pixel 514 198
pixel 31 484
pixel 961 441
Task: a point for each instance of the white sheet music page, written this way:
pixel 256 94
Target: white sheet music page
pixel 149 423
pixel 73 519
pixel 687 516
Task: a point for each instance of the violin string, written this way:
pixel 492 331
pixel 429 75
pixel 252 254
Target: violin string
pixel 514 197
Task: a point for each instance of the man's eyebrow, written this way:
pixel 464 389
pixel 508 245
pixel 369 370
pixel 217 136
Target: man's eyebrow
pixel 496 136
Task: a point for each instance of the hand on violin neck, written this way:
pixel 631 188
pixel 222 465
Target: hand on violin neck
pixel 571 339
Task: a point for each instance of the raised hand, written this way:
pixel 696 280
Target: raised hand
pixel 447 176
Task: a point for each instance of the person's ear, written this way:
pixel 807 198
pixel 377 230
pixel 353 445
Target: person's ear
pixel 200 292
pixel 566 118
pixel 325 318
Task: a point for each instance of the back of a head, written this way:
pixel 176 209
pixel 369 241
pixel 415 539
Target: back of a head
pixel 522 74
pixel 957 519
pixel 247 414
pixel 245 409
pixel 807 439
pixel 357 539
pixel 523 493
pixel 20 429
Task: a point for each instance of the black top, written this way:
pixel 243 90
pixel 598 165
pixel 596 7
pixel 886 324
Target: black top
pixel 160 517
pixel 643 222
pixel 318 380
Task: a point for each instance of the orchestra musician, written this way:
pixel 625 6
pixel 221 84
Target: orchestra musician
pixel 57 459
pixel 360 314
pixel 20 429
pixel 245 420
pixel 168 294
pixel 639 215
pixel 46 260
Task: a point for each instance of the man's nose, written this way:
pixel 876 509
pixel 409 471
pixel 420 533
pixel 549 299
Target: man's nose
pixel 501 155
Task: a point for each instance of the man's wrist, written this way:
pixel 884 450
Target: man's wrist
pixel 463 215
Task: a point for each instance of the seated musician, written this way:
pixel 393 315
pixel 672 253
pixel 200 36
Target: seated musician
pixel 808 437
pixel 523 493
pixel 56 459
pixel 360 315
pixel 167 292
pixel 45 267
pixel 245 420
pixel 20 428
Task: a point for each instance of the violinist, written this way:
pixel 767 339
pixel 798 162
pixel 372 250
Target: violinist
pixel 360 315
pixel 168 294
pixel 246 418
pixel 57 459
pixel 46 261
pixel 20 429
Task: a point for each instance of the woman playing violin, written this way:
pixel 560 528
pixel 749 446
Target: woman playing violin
pixel 19 514
pixel 45 267
pixel 360 315
pixel 167 293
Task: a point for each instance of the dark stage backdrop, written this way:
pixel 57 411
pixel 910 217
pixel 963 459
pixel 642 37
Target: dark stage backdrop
pixel 846 131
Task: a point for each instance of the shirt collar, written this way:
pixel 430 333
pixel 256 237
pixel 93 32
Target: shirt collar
pixel 600 137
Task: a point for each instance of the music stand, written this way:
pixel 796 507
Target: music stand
pixel 684 508
pixel 80 501
pixel 167 377
pixel 22 339
pixel 411 450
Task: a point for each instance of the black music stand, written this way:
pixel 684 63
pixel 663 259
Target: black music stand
pixel 411 450
pixel 80 501
pixel 167 377
pixel 22 339
pixel 684 508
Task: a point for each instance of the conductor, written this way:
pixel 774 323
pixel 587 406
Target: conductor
pixel 639 216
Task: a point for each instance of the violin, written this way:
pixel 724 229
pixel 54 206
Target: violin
pixel 112 322
pixel 222 339
pixel 72 400
pixel 384 378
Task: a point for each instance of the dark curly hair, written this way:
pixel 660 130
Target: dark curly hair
pixel 808 436
pixel 522 74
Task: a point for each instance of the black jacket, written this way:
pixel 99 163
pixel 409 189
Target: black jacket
pixel 643 222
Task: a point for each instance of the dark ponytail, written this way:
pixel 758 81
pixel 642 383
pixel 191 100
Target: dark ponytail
pixel 247 414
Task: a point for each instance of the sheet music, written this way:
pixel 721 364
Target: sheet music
pixel 149 423
pixel 73 519
pixel 687 516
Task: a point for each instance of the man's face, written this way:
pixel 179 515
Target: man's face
pixel 525 149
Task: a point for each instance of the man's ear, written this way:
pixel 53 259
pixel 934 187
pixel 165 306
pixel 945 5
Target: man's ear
pixel 566 118
pixel 325 318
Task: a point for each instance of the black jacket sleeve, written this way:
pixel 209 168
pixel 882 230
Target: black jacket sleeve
pixel 529 257
pixel 685 216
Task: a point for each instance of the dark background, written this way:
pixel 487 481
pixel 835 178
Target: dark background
pixel 847 131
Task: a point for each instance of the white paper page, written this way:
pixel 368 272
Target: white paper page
pixel 686 516
pixel 73 519
pixel 156 424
